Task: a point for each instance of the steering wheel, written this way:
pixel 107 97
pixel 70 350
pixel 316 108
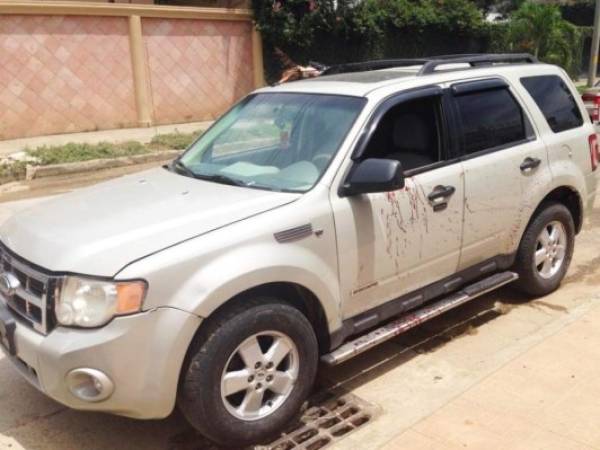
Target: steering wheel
pixel 321 159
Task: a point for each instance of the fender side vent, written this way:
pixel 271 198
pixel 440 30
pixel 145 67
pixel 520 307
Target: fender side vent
pixel 294 234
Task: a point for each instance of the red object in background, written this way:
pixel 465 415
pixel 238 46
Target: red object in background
pixel 594 150
pixel 592 104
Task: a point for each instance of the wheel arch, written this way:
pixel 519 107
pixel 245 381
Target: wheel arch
pixel 568 196
pixel 294 294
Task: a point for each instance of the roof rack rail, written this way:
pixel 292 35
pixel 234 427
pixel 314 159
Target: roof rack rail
pixel 477 60
pixel 373 65
pixel 429 65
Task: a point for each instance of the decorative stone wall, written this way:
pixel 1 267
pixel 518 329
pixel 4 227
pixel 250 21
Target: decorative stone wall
pixel 197 68
pixel 63 73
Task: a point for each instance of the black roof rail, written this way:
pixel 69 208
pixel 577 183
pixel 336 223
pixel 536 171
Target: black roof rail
pixel 477 60
pixel 430 64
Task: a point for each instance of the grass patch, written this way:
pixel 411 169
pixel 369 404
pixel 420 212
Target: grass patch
pixel 12 171
pixel 264 131
pixel 76 152
pixel 174 141
pixel 73 152
pixel 582 89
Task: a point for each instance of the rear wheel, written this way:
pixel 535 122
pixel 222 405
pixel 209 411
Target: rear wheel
pixel 546 250
pixel 249 372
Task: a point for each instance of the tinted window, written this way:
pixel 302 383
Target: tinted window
pixel 409 133
pixel 555 100
pixel 490 119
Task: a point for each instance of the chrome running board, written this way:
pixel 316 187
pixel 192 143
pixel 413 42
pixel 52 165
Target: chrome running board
pixel 410 320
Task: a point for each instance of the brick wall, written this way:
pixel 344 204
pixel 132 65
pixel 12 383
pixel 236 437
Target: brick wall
pixel 69 73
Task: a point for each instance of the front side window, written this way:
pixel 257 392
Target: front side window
pixel 490 119
pixel 555 100
pixel 410 133
pixel 279 141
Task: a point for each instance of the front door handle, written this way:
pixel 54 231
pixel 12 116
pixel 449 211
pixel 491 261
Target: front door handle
pixel 529 164
pixel 438 198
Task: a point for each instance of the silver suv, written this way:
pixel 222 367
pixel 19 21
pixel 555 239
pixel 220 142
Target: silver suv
pixel 314 220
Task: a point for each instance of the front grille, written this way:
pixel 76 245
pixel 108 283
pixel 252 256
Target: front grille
pixel 33 299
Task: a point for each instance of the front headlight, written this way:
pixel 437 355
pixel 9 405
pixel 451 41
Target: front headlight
pixel 85 302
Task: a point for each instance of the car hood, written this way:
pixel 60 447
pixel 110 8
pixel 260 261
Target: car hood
pixel 101 229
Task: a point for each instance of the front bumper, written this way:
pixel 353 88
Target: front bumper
pixel 142 354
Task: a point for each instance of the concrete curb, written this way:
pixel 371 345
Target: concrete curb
pixel 35 172
pixel 12 187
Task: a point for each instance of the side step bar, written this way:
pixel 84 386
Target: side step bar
pixel 410 320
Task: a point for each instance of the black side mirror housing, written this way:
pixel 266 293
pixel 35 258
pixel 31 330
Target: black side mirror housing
pixel 374 175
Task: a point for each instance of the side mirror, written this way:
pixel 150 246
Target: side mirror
pixel 374 175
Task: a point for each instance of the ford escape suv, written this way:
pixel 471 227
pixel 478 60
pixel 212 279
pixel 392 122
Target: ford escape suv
pixel 314 220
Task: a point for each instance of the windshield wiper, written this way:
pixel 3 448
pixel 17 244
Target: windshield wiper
pixel 182 169
pixel 220 178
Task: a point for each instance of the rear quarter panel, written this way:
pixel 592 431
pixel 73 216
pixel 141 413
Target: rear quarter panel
pixel 568 151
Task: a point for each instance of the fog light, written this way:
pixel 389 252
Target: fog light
pixel 90 385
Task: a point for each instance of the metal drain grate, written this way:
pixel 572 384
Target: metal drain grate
pixel 332 418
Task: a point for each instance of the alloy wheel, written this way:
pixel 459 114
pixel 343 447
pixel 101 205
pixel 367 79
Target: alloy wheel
pixel 259 375
pixel 551 249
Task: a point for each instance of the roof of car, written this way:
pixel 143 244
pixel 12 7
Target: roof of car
pixel 364 83
pixel 354 84
pixel 374 76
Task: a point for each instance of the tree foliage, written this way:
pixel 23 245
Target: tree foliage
pixel 351 30
pixel 541 30
pixel 298 22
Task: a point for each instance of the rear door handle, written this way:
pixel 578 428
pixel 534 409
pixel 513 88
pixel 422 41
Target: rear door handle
pixel 529 164
pixel 439 196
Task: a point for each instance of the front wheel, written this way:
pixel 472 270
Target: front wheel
pixel 249 373
pixel 546 250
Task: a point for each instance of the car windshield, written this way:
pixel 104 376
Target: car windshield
pixel 278 141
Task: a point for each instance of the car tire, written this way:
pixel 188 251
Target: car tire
pixel 546 250
pixel 226 385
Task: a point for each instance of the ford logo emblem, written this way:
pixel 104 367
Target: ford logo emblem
pixel 8 284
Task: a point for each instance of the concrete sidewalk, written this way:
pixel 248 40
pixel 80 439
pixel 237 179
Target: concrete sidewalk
pixel 545 398
pixel 143 135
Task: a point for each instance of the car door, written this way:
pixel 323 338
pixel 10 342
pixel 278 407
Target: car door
pixel 392 243
pixel 503 160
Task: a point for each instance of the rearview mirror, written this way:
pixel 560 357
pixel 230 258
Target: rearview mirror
pixel 374 175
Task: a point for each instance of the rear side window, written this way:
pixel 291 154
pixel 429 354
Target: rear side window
pixel 490 119
pixel 555 100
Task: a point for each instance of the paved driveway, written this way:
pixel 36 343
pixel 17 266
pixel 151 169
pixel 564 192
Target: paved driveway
pixel 502 372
